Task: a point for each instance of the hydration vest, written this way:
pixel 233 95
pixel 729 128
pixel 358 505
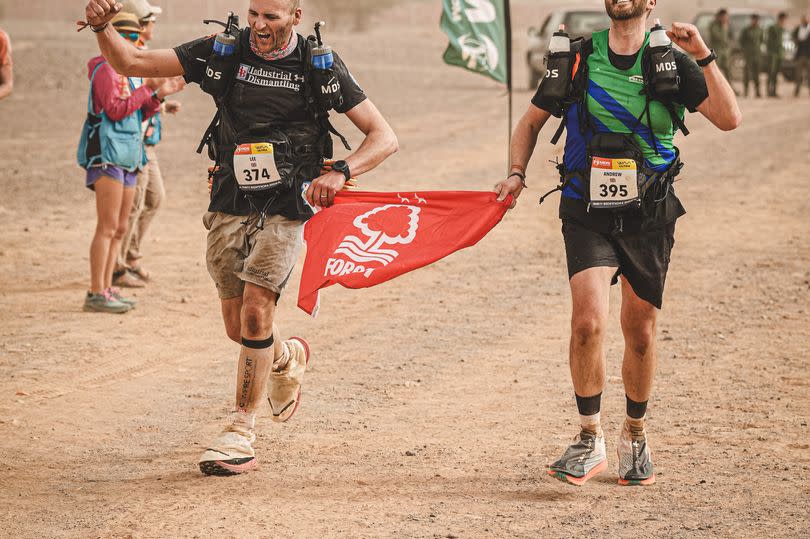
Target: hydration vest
pixel 299 147
pixel 104 142
pixel 607 100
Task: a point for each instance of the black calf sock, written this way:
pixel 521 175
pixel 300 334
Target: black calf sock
pixel 589 405
pixel 636 410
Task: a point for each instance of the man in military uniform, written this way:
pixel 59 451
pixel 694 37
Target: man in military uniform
pixel 719 38
pixel 801 35
pixel 773 46
pixel 751 41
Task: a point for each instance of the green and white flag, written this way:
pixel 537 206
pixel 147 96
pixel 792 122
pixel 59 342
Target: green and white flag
pixel 479 36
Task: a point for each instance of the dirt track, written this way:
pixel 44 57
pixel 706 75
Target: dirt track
pixel 434 401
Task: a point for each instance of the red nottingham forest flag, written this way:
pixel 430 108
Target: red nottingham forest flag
pixel 368 238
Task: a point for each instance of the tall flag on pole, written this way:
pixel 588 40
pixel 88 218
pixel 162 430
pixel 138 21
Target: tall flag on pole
pixel 480 33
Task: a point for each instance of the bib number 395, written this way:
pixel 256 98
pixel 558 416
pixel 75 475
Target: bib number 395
pixel 255 166
pixel 614 182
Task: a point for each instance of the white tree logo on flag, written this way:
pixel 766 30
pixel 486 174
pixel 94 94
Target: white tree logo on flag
pixel 392 224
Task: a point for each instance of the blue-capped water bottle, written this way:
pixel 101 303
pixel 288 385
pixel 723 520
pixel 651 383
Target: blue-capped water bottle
pixel 322 57
pixel 328 92
pixel 220 66
pixel 224 44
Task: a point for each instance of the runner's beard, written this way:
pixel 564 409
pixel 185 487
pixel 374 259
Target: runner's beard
pixel 276 42
pixel 626 10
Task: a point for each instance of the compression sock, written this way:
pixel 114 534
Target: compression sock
pixel 636 412
pixel 255 362
pixel 589 413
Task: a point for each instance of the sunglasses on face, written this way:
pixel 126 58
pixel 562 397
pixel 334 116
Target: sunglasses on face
pixel 132 36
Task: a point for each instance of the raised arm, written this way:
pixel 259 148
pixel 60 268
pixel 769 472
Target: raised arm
pixel 524 139
pixel 122 56
pixel 379 143
pixel 721 107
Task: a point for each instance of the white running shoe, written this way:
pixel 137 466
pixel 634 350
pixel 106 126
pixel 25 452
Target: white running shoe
pixel 284 389
pixel 230 453
pixel 635 460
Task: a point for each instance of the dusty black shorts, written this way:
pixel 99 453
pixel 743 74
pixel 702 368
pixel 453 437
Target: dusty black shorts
pixel 641 256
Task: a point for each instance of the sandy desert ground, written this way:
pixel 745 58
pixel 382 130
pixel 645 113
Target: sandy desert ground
pixel 435 401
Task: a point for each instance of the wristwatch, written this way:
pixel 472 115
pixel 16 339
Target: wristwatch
pixel 709 59
pixel 342 166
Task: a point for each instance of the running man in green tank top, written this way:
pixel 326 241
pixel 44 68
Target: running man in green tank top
pixel 633 242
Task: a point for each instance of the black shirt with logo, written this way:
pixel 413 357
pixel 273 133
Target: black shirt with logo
pixel 264 92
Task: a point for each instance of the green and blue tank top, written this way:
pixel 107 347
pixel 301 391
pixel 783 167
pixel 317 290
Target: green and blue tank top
pixel 615 103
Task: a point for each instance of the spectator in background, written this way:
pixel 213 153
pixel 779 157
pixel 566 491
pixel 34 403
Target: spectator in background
pixel 775 51
pixel 6 71
pixel 719 40
pixel 111 150
pixel 751 41
pixel 149 191
pixel 801 35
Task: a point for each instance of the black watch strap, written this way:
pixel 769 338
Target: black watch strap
pixel 708 60
pixel 342 166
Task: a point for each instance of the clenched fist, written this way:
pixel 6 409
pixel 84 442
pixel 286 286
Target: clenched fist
pixel 99 12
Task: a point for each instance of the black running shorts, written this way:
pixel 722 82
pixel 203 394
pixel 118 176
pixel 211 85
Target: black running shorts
pixel 641 255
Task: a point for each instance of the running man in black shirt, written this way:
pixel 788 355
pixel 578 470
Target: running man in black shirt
pixel 255 237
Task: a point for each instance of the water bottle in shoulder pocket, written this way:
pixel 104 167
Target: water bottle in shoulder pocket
pixel 559 62
pixel 327 86
pixel 221 65
pixel 664 78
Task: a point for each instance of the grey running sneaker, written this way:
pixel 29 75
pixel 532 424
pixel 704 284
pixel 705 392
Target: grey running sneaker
pixel 583 459
pixel 284 392
pixel 635 461
pixel 104 303
pixel 116 294
pixel 230 453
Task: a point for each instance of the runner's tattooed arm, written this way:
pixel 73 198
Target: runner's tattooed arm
pixel 721 106
pixel 524 139
pixel 126 59
pixel 380 142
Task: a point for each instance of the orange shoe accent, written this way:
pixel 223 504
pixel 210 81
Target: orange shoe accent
pixel 579 481
pixel 637 483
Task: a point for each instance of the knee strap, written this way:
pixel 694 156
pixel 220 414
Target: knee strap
pixel 258 345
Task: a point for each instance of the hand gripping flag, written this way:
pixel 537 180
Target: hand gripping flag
pixel 368 238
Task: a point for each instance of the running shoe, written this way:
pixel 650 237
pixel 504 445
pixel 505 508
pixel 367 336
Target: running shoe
pixel 584 459
pixel 635 460
pixel 284 391
pixel 231 453
pixel 104 303
pixel 116 294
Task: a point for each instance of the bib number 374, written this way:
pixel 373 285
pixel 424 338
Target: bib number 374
pixel 255 166
pixel 614 182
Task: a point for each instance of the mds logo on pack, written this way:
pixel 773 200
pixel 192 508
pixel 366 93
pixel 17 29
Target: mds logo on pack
pixel 331 87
